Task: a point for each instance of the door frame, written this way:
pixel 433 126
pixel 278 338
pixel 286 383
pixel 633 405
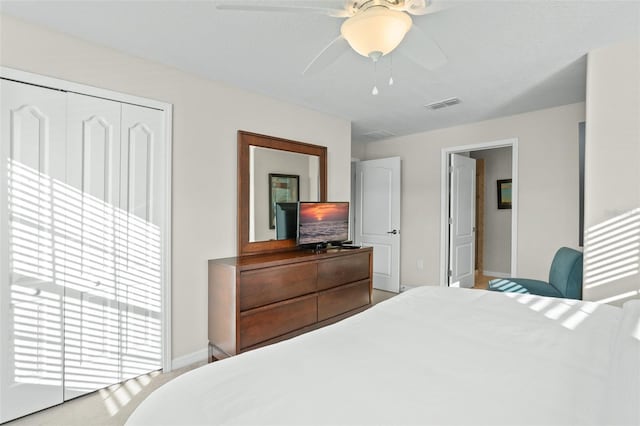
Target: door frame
pixel 444 200
pixel 480 185
pixel 167 109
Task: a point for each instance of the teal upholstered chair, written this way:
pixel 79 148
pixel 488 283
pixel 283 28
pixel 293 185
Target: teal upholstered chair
pixel 565 278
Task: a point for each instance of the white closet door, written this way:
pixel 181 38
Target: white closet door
pixel 32 166
pixel 138 239
pixel 91 318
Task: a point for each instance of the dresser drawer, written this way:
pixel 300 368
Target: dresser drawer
pixel 264 286
pixel 346 269
pixel 275 320
pixel 342 299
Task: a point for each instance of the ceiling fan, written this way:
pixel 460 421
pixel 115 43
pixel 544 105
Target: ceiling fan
pixel 372 28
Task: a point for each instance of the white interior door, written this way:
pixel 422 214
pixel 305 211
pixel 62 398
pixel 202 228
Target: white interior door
pixel 81 193
pixel 462 223
pixel 31 163
pixel 87 249
pixel 378 218
pixel 139 220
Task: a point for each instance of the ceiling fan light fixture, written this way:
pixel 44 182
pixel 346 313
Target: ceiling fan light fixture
pixel 376 31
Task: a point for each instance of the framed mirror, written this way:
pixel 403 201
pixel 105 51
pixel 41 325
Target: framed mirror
pixel 272 173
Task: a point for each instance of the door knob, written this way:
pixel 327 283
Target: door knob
pixel 394 232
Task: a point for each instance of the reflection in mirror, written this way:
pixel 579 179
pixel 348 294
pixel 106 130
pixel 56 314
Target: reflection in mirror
pixel 287 181
pixel 265 192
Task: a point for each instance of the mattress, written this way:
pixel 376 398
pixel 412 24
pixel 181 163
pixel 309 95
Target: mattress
pixel 432 355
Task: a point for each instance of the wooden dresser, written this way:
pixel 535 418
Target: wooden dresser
pixel 262 299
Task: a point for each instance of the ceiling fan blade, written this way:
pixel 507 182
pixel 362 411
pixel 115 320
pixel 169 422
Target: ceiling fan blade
pixel 283 7
pixel 422 7
pixel 327 56
pixel 419 47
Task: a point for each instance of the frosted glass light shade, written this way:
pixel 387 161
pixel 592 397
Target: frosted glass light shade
pixel 377 29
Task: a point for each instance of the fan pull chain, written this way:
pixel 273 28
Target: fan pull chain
pixel 391 77
pixel 374 92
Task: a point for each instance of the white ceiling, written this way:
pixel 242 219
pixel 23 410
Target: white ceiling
pixel 504 57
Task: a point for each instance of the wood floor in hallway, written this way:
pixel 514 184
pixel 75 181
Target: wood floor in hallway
pixel 482 281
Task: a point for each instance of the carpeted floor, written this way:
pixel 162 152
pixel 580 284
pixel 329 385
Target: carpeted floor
pixel 106 407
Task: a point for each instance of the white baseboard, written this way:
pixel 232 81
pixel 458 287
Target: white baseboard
pixel 192 358
pixel 496 274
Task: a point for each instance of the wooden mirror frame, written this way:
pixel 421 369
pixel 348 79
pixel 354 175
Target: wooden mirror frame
pixel 245 141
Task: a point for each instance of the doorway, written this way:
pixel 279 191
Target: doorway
pixel 466 214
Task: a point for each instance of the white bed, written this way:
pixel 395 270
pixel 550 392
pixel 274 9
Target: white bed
pixel 431 355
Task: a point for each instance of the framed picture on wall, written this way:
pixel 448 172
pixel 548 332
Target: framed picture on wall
pixel 504 193
pixel 282 189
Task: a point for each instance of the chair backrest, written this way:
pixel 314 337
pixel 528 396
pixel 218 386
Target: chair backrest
pixel 566 273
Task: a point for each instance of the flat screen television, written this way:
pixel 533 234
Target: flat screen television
pixel 286 220
pixel 321 222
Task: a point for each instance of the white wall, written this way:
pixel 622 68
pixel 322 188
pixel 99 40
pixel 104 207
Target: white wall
pixel 207 116
pixel 548 188
pixel 358 150
pixel 497 222
pixel 612 174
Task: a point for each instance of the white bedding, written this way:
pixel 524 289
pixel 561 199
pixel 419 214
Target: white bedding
pixel 431 355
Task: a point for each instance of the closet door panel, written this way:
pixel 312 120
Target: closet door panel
pixel 138 239
pixel 82 179
pixel 91 320
pixel 32 167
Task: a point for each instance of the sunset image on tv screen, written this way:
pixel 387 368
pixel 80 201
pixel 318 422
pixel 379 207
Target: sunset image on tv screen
pixel 323 222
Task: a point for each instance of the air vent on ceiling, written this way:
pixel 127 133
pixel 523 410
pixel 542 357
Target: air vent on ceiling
pixel 377 135
pixel 443 103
